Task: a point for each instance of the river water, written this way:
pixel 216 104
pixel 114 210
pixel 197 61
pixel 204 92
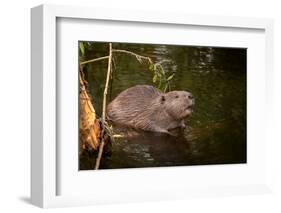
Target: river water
pixel 216 131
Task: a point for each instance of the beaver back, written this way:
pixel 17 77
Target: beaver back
pixel 131 103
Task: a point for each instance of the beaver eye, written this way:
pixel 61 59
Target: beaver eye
pixel 176 96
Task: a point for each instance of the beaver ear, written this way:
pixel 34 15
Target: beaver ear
pixel 163 98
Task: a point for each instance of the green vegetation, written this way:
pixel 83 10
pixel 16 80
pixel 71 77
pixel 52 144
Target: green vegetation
pixel 161 78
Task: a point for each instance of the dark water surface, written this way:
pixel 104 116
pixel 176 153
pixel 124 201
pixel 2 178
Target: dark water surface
pixel 216 131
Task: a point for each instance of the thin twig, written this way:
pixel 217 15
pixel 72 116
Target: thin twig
pixel 163 61
pixel 104 108
pixel 107 81
pixel 134 54
pixel 118 136
pixel 111 77
pixel 95 59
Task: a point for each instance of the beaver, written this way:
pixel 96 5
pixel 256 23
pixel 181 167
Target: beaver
pixel 147 108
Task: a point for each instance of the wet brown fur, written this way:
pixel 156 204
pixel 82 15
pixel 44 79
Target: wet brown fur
pixel 147 108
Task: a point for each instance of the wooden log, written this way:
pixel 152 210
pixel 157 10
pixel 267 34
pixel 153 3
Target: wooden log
pixel 89 128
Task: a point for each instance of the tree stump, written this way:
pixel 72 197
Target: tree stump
pixel 89 128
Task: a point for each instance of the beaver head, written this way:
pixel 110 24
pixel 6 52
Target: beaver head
pixel 178 104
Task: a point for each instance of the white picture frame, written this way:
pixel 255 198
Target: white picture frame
pixel 44 150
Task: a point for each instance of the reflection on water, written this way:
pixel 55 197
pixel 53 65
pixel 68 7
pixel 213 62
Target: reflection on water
pixel 216 131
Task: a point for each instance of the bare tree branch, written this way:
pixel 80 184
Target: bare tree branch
pixel 104 107
pixel 139 57
pixel 93 60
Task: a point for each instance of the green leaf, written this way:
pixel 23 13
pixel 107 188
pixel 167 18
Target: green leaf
pixel 160 83
pixel 154 78
pixel 162 70
pixel 82 48
pixel 170 77
pixel 166 87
